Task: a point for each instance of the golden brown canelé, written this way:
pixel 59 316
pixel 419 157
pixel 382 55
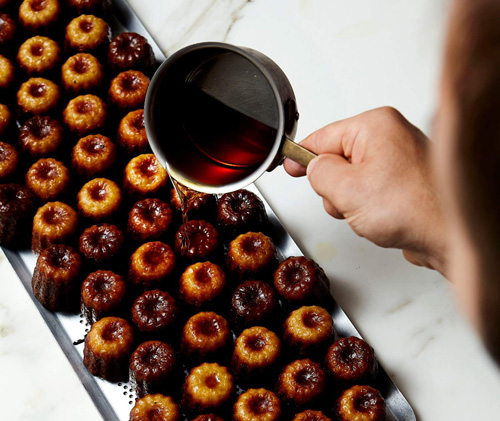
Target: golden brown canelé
pixel 132 136
pixel 102 295
pixel 201 283
pixel 301 382
pixel 256 351
pixel 154 312
pixel 107 349
pixel 351 361
pixel 9 161
pixel 251 256
pixel 149 219
pixel 17 207
pixel 253 303
pixel 198 205
pixel 128 90
pixel 257 404
pixel 361 403
pixel 5 118
pixel 39 15
pixel 54 223
pixel 56 278
pixel 82 73
pixel 7 73
pixel 151 265
pixel 144 176
pixel 40 136
pixel 308 328
pixel 208 417
pixel 93 155
pixel 207 387
pixel 197 240
pixel 130 50
pixel 311 415
pixel 80 7
pixel 204 336
pixel 87 34
pixel 300 280
pixel 239 212
pixel 99 199
pixel 8 29
pixel 37 96
pixel 85 114
pixel 48 179
pixel 152 368
pixel 155 408
pixel 38 55
pixel 101 243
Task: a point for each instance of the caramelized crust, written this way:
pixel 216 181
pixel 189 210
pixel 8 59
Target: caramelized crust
pixel 154 311
pixel 37 55
pixel 207 386
pixel 132 136
pixel 310 415
pixel 35 15
pixel 301 382
pixel 48 179
pixel 93 154
pixel 5 118
pixel 151 265
pixel 152 367
pixel 351 360
pixel 204 335
pixel 82 73
pixel 155 408
pixel 257 404
pixel 251 255
pixel 85 114
pixel 101 243
pixel 89 6
pixel 87 33
pixel 361 403
pixel 107 348
pixel 9 161
pixel 128 90
pixel 149 219
pixel 7 73
pixel 54 223
pixel 7 29
pixel 99 198
pixel 102 294
pixel 208 417
pixel 56 278
pixel 37 96
pixel 40 136
pixel 198 205
pixel 130 50
pixel 201 283
pixel 197 240
pixel 144 176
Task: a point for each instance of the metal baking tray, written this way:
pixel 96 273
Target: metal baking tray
pixel 115 400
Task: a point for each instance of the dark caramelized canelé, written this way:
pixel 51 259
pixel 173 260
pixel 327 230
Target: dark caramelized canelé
pixel 151 265
pixel 351 361
pixel 56 278
pixel 251 256
pixel 239 212
pixel 301 382
pixel 201 283
pixel 154 312
pixel 40 136
pixel 310 415
pixel 37 96
pixel 39 15
pixel 197 240
pixel 197 205
pixel 257 404
pixel 107 349
pixel 149 219
pixel 155 408
pixel 132 136
pixel 308 328
pixel 253 303
pixel 9 161
pixel 99 199
pixel 82 73
pixel 48 179
pixel 92 155
pixel 38 55
pixel 204 335
pixel 87 33
pixel 98 7
pixel 208 417
pixel 129 50
pixel 8 31
pixel 101 243
pixel 85 114
pixel 300 280
pixel 54 223
pixel 256 351
pixel 17 207
pixel 207 386
pixel 128 90
pixel 361 403
pixel 144 176
pixel 102 295
pixel 152 368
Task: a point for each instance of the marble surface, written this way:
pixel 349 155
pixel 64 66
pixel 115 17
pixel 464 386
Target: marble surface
pixel 342 57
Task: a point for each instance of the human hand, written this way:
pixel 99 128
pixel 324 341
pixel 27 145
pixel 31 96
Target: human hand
pixel 373 170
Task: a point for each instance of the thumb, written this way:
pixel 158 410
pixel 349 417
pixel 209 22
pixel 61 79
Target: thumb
pixel 327 174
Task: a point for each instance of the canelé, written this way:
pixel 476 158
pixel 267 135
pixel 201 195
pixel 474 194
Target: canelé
pixel 361 403
pixel 201 283
pixel 257 404
pixel 197 240
pixel 154 312
pixel 48 179
pixel 149 219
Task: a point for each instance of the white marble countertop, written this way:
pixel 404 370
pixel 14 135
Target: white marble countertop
pixel 342 57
